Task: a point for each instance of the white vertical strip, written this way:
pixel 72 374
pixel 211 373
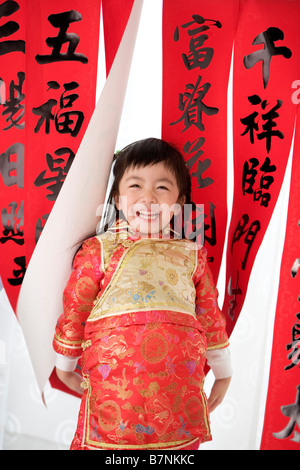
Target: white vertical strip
pixel 230 184
pixel 141 116
pixel 8 325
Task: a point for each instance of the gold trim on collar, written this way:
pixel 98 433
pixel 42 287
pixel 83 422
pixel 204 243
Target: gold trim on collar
pixel 122 226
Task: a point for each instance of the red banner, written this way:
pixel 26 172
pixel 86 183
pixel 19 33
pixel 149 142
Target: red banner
pixel 282 416
pixel 115 17
pixel 197 47
pixel 266 62
pixel 12 146
pixel 49 57
pixel 59 70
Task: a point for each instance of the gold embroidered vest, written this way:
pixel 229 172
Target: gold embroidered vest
pixel 152 274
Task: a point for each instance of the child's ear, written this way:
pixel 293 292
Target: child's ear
pixel 117 201
pixel 181 200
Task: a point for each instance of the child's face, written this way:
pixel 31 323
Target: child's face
pixel 148 198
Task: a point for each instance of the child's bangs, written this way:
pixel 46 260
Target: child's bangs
pixel 150 152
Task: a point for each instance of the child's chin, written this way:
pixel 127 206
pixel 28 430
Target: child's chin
pixel 149 227
pixel 146 228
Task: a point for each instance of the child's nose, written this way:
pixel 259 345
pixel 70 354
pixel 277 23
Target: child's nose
pixel 149 197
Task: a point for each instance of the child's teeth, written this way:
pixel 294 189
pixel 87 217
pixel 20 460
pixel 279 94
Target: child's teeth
pixel 148 215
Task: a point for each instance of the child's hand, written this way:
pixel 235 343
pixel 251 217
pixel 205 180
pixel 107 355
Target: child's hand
pixel 71 379
pixel 218 392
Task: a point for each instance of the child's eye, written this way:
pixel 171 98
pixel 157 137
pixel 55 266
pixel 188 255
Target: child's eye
pixel 163 187
pixel 134 186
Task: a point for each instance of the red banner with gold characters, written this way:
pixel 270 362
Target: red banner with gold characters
pixel 266 63
pixel 49 56
pixel 197 48
pixel 281 429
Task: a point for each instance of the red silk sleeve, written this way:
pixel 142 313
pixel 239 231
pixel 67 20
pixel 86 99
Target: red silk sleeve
pixel 79 295
pixel 207 309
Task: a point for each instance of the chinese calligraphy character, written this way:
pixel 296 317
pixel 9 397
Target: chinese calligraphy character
pixel 190 102
pixel 248 180
pixel 8 8
pixel 294 346
pixel 250 233
pixel 65 120
pixel 195 146
pixel 269 117
pixel 62 21
pixel 198 56
pixel 233 292
pixel 292 412
pixel 13 105
pixel 9 219
pixel 268 131
pixel 60 172
pixel 267 38
pixel 18 273
pixel 11 171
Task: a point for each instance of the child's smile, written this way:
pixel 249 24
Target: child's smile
pixel 147 215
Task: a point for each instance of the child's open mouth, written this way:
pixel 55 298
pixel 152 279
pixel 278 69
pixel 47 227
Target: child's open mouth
pixel 147 215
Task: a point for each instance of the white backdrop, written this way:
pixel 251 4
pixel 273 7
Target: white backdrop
pixel 25 423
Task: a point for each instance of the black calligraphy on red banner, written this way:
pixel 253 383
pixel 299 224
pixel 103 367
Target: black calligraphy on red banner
pixel 197 46
pixel 54 74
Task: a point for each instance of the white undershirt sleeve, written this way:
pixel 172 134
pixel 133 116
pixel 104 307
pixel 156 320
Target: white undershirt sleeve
pixel 65 363
pixel 219 361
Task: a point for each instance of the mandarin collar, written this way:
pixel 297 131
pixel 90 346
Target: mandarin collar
pixel 123 228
